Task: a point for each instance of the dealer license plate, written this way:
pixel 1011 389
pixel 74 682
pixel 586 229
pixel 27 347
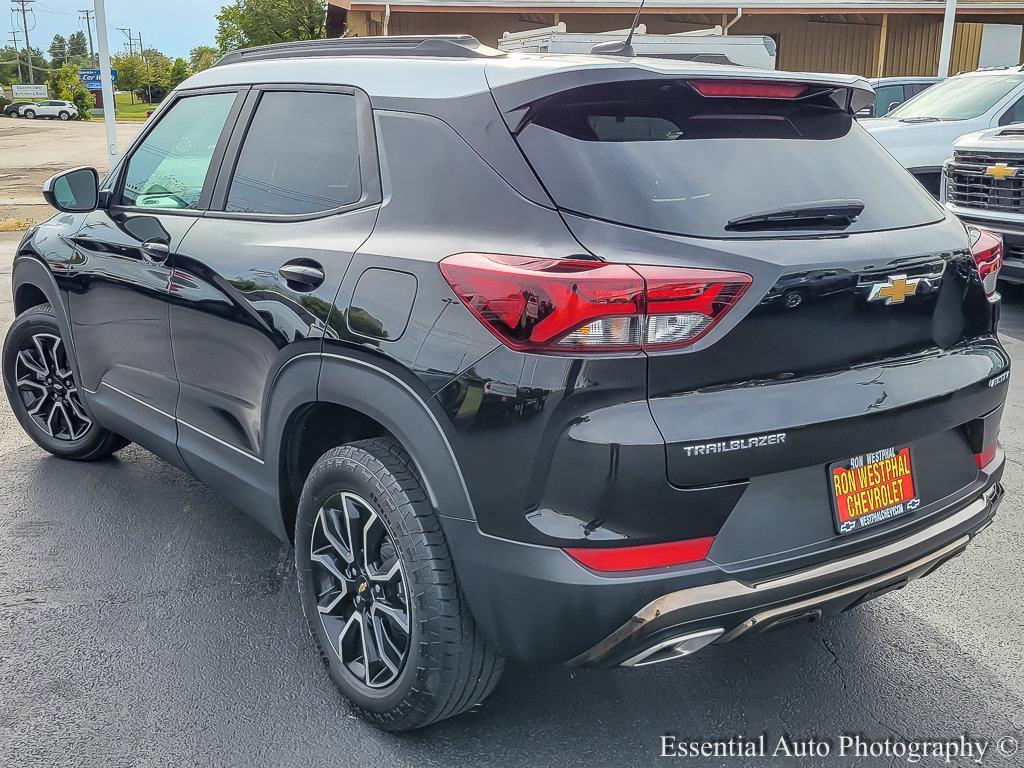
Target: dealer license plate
pixel 873 488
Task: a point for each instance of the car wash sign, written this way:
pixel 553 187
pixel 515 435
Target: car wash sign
pixel 91 78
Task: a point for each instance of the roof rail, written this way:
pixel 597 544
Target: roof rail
pixel 432 46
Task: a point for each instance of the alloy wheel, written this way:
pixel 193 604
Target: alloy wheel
pixel 361 591
pixel 46 385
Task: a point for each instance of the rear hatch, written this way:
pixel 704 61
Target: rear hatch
pixel 865 326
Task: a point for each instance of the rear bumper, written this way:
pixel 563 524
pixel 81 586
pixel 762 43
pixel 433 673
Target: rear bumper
pixel 536 604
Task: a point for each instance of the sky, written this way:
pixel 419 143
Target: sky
pixel 171 26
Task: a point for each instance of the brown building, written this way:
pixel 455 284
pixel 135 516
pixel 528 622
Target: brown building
pixel 868 37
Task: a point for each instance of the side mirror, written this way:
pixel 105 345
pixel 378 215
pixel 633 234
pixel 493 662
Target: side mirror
pixel 74 191
pixel 892 106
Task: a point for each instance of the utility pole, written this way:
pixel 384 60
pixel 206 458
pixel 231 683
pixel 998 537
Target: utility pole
pixel 24 4
pixel 149 73
pixel 106 82
pixel 87 18
pixel 127 32
pixel 17 53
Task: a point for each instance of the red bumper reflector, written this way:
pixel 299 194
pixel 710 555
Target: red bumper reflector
pixel 985 458
pixel 644 556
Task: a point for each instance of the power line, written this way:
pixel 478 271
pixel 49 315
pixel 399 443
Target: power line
pixel 24 5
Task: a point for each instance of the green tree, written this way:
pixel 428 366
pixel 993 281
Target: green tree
pixel 131 73
pixel 65 85
pixel 9 65
pixel 78 47
pixel 245 23
pixel 39 64
pixel 59 51
pixel 156 75
pixel 179 72
pixel 202 57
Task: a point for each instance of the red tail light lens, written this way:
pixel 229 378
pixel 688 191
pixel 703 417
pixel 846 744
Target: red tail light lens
pixel 748 89
pixel 987 250
pixel 986 457
pixel 644 556
pixel 590 306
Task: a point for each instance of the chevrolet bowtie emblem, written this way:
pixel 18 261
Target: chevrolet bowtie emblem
pixel 895 290
pixel 1000 171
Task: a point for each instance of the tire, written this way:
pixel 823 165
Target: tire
pixel 64 115
pixel 446 666
pixel 30 114
pixel 71 433
pixel 792 299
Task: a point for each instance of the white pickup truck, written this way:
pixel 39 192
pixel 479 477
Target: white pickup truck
pixel 920 133
pixel 983 184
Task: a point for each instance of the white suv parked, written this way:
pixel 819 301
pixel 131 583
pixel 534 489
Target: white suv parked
pixel 920 132
pixel 62 110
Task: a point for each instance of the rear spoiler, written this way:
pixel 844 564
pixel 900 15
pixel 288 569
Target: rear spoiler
pixel 516 88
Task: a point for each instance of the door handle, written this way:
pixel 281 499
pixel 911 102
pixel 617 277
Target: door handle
pixel 302 277
pixel 155 251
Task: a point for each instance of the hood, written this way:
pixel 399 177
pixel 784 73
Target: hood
pixel 1005 138
pixel 918 145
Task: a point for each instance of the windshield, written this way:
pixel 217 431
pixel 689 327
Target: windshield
pixel 656 155
pixel 958 98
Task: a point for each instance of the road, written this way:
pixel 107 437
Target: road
pixel 145 622
pixel 64 145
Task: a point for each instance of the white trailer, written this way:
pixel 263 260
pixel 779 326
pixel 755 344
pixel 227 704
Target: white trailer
pixel 706 45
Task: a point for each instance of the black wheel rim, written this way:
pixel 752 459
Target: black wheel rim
pixel 46 386
pixel 360 589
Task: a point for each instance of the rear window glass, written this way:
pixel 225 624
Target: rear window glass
pixel 657 155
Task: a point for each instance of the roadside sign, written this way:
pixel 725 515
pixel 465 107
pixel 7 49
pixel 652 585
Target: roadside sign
pixel 93 85
pixel 22 91
pixel 93 76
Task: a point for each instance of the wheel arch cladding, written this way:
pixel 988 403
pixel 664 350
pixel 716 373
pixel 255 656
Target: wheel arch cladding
pixel 33 284
pixel 403 409
pixel 355 399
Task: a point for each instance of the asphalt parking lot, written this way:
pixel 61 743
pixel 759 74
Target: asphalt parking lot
pixel 63 145
pixel 145 622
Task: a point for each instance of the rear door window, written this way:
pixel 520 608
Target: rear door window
pixel 300 155
pixel 655 154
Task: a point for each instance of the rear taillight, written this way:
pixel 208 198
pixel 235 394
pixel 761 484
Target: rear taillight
pixel 987 250
pixel 562 305
pixel 748 89
pixel 986 457
pixel 643 556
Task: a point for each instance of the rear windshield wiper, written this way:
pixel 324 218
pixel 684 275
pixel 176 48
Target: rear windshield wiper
pixel 816 214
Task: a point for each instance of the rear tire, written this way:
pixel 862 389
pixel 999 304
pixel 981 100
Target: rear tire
pixel 442 666
pixel 44 394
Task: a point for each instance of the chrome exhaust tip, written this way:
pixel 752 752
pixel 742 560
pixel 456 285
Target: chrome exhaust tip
pixel 674 648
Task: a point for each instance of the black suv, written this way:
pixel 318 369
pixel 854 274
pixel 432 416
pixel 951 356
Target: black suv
pixel 563 359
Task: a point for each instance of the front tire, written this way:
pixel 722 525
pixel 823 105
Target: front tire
pixel 64 116
pixel 43 392
pixel 30 114
pixel 380 593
